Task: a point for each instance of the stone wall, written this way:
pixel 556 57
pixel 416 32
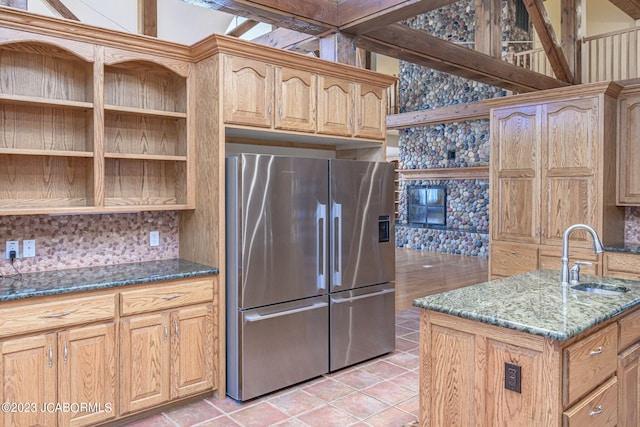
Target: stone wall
pixel 428 147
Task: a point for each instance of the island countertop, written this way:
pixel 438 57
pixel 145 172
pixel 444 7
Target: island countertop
pixel 535 303
pixel 46 283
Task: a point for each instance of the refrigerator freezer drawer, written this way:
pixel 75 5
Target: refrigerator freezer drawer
pixel 280 345
pixel 362 324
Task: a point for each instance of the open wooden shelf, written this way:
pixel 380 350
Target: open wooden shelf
pixel 61 151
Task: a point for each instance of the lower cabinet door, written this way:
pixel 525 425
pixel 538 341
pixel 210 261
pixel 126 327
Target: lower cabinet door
pixel 629 387
pixel 192 350
pixel 145 362
pixel 87 374
pixel 29 379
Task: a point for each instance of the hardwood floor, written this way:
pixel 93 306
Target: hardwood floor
pixel 420 273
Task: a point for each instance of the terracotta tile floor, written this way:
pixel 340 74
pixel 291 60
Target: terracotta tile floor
pixel 382 392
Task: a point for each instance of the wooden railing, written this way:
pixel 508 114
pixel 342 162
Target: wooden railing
pixel 393 99
pixel 532 59
pixel 609 56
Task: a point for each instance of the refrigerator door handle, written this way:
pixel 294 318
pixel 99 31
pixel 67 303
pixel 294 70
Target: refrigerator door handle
pixel 321 247
pixel 336 216
pixel 374 294
pixel 255 317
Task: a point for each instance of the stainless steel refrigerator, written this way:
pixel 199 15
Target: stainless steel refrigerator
pixel 310 259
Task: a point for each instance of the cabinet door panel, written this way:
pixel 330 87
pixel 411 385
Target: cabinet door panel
pixel 629 151
pixel 192 350
pixel 144 364
pixel 248 92
pixel 629 387
pixel 371 111
pixel 568 201
pixel 515 196
pixel 296 100
pixel 570 169
pixel 335 101
pixel 87 363
pixel 29 375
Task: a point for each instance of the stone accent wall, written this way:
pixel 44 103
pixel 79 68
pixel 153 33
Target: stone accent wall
pixel 427 147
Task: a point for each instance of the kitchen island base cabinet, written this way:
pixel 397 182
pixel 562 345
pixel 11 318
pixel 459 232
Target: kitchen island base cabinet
pixel 579 382
pixel 462 375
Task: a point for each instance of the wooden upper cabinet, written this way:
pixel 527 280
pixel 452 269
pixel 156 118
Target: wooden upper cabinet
pixel 515 174
pixel 295 100
pixel 371 111
pixel 629 149
pixel 336 108
pixel 248 92
pixel 570 172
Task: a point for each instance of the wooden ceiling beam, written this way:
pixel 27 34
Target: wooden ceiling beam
pixel 436 116
pixel 243 28
pixel 359 17
pixel 283 38
pixel 61 9
pixel 630 7
pixel 418 47
pixel 148 17
pixel 294 15
pixel 552 48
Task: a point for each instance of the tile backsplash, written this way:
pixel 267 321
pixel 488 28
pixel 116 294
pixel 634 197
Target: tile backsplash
pixel 632 225
pixel 71 241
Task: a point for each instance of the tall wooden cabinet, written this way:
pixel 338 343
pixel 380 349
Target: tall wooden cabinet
pixel 552 165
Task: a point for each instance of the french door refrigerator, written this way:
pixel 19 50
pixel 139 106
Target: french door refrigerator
pixel 310 256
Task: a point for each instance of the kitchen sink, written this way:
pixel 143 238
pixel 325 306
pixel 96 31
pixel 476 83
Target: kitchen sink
pixel 601 288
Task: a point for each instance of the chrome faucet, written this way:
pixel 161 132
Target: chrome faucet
pixel 597 248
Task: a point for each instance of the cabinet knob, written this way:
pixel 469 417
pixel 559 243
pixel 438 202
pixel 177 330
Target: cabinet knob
pixel 50 356
pixel 65 352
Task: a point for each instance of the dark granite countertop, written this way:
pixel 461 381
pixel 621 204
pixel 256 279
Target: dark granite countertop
pixel 56 282
pixel 633 248
pixel 535 303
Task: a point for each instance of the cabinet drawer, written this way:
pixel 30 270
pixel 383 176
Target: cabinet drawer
pixel 507 260
pixel 589 362
pixel 629 328
pixel 622 265
pixel 599 409
pixel 52 315
pixel 166 296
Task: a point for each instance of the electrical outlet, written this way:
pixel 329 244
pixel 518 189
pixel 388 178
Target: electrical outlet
pixel 28 248
pixel 154 238
pixel 12 246
pixel 513 377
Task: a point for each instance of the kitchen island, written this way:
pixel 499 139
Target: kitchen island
pixel 523 351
